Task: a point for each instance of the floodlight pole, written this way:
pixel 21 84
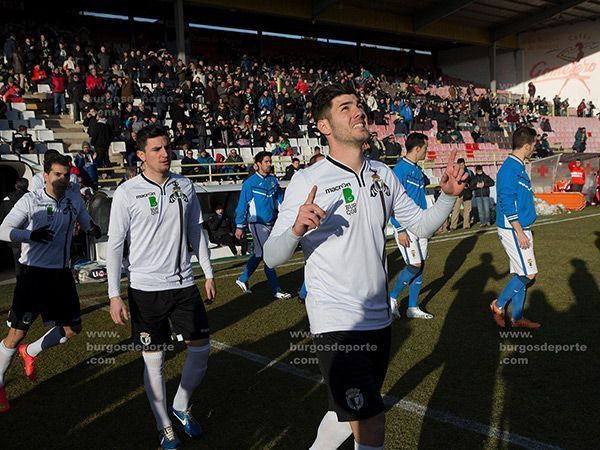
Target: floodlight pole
pixel 493 73
pixel 180 31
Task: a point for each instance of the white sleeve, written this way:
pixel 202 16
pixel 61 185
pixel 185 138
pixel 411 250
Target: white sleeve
pixel 118 228
pixel 197 236
pixel 282 242
pixel 422 223
pixel 37 182
pixel 12 228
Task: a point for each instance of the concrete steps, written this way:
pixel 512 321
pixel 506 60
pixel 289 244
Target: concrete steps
pixel 65 130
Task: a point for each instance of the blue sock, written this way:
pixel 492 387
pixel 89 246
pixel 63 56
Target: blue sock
pixel 303 291
pixel 403 280
pixel 272 278
pixel 251 266
pixel 519 299
pixel 414 288
pixel 512 288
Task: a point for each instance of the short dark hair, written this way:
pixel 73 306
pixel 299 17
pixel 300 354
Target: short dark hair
pixel 295 159
pixel 50 153
pixel 22 184
pixel 260 156
pixel 321 105
pixel 460 160
pixel 55 158
pixel 415 140
pixel 523 136
pixel 479 167
pixel 149 132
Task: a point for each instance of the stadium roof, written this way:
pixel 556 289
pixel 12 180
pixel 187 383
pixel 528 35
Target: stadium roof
pixel 427 24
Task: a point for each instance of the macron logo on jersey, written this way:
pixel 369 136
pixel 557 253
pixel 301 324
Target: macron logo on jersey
pixel 333 189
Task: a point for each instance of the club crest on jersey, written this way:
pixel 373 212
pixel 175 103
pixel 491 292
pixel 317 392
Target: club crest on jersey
pixel 354 399
pixel 145 338
pixel 69 208
pixel 379 186
pixel 177 193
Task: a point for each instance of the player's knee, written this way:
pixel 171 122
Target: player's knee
pixel 531 276
pixel 371 431
pixel 417 265
pixel 14 337
pixel 72 331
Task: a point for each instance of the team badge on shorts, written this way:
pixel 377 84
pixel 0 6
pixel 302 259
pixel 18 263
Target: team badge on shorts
pixel 27 317
pixel 354 399
pixel 530 262
pixel 145 338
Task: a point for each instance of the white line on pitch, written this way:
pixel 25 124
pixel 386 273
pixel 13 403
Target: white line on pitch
pixel 395 402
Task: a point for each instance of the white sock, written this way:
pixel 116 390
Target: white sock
pixel 53 337
pixel 191 375
pixel 154 384
pixel 358 446
pixel 6 356
pixel 331 433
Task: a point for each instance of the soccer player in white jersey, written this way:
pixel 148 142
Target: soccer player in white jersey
pixel 515 213
pixel 338 209
pixel 43 220
pixel 159 213
pixel 38 180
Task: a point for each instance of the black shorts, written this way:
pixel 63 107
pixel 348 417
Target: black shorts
pixel 151 312
pixel 49 292
pixel 353 365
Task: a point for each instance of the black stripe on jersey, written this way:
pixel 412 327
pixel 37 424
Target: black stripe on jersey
pixel 180 250
pixel 163 190
pixel 361 183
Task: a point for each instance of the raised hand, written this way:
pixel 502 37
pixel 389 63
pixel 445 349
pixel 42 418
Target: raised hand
pixel 309 215
pixel 453 180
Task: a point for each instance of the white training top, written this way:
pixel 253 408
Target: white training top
pixel 37 182
pixel 160 223
pixel 37 209
pixel 346 263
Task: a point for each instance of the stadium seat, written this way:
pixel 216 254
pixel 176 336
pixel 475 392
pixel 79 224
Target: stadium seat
pixel 18 106
pixel 4 125
pixel 246 154
pixel 17 123
pixel 13 115
pixel 7 135
pixel 44 135
pixel 117 147
pixel 44 89
pixel 27 115
pixel 37 124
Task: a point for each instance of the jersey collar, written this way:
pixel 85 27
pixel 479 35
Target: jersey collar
pixel 516 158
pixel 359 176
pixel 163 187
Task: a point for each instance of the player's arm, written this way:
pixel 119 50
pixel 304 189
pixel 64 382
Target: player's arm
pixel 241 212
pixel 298 215
pixel 198 239
pixel 13 227
pixel 85 220
pixel 118 228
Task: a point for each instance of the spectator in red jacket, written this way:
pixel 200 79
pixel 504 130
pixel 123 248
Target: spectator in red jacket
pixel 94 84
pixel 59 86
pixel 577 175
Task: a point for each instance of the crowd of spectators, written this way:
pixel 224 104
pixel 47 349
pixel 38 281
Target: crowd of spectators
pixel 115 91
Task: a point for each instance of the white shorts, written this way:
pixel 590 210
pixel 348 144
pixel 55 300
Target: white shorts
pixel 416 252
pixel 522 262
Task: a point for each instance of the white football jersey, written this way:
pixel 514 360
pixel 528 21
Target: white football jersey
pixel 160 222
pixel 37 209
pixel 346 263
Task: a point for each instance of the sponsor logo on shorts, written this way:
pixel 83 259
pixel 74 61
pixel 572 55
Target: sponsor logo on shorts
pixel 145 338
pixel 354 399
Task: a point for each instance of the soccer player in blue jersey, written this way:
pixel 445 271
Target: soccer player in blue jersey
pixel 515 213
pixel 258 206
pixel 412 248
